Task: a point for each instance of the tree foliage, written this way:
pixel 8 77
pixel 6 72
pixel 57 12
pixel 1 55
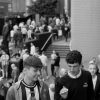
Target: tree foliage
pixel 43 7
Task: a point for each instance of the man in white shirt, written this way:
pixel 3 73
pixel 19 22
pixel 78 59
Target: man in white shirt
pixel 44 61
pixel 57 21
pixel 21 24
pixel 12 35
pixel 33 49
pixel 15 27
pixel 53 58
pixel 29 32
pixel 25 55
pixel 24 32
pixel 33 24
pixel 5 61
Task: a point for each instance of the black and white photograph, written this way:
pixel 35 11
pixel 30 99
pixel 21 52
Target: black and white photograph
pixel 49 50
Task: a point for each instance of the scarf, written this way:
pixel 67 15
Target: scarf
pixel 23 85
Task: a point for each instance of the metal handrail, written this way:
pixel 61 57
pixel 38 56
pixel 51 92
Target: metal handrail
pixel 46 42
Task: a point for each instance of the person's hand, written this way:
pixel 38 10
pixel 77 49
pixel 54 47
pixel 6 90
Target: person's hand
pixel 64 92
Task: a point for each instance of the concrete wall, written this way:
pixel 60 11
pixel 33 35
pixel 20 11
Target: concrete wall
pixel 85 24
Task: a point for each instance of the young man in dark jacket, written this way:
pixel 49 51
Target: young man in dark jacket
pixel 77 83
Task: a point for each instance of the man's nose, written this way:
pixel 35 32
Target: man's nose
pixel 72 68
pixel 38 72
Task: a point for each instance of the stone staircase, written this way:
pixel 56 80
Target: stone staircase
pixel 61 49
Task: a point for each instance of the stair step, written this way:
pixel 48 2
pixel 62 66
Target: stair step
pixel 61 49
pixel 58 49
pixel 62 56
pixel 61 53
pixel 58 46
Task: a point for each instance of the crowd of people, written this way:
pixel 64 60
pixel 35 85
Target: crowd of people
pixel 19 32
pixel 72 82
pixel 11 65
pixel 28 68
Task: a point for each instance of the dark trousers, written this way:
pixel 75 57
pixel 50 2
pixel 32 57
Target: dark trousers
pixel 52 69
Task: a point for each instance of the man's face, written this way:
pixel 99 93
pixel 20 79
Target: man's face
pixel 33 73
pixel 74 68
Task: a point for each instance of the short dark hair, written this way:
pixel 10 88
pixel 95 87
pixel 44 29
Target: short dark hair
pixel 32 61
pixel 74 57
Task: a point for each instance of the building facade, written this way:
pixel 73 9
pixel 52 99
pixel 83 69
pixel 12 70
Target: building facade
pixel 85 27
pixel 4 4
pixel 12 6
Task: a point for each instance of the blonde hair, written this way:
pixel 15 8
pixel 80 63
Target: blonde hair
pixel 95 64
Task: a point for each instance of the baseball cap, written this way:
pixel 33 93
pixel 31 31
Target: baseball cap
pixel 32 61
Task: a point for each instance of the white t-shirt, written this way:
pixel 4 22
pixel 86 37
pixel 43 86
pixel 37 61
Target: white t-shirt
pixel 33 49
pixel 24 30
pixel 53 56
pixel 43 59
pixel 12 33
pixel 33 24
pixel 4 59
pixel 15 27
pixel 57 21
pixel 94 80
pixel 29 33
pixel 21 24
pixel 49 28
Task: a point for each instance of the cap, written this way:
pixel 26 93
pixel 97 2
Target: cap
pixel 32 61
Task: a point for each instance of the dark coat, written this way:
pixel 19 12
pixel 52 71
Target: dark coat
pixel 97 88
